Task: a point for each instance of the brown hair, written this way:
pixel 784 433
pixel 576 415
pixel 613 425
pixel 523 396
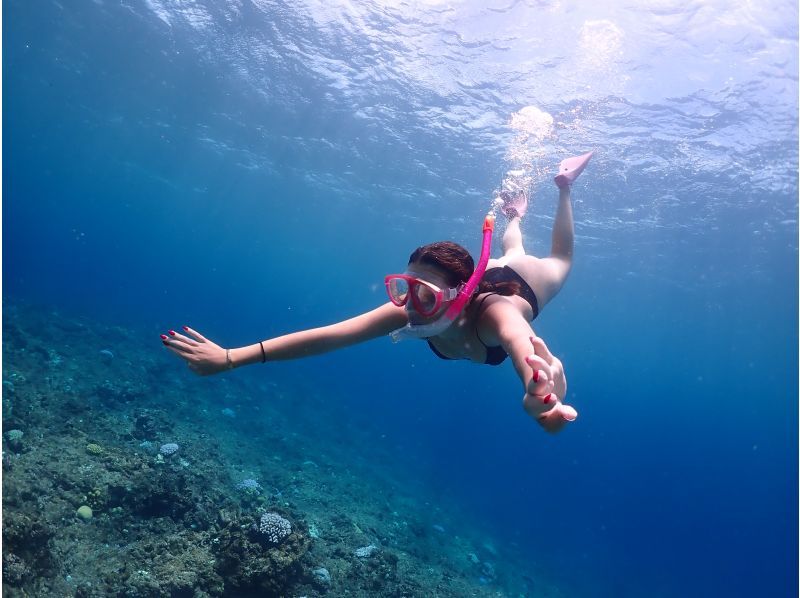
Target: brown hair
pixel 457 265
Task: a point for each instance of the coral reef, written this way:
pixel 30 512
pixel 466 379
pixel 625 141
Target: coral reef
pixel 171 486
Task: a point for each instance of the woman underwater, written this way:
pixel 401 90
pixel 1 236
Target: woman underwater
pixel 426 302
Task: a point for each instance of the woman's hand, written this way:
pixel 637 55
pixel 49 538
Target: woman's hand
pixel 201 355
pixel 546 388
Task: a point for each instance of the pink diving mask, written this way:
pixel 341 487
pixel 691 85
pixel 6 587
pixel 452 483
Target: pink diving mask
pixel 430 297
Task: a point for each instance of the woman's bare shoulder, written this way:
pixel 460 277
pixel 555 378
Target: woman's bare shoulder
pixel 494 313
pixel 494 306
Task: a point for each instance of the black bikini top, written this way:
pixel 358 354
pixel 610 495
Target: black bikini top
pixel 494 355
pixel 497 355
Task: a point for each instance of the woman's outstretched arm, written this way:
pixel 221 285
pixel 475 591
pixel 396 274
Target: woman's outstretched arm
pixel 541 373
pixel 205 357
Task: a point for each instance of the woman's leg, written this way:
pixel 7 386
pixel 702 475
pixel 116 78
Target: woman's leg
pixel 512 239
pixel 563 228
pixel 546 275
pixel 514 207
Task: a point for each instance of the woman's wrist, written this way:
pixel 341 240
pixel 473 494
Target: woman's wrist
pixel 246 355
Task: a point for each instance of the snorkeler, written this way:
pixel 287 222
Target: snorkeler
pixel 481 313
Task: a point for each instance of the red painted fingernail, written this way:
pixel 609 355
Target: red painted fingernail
pixel 186 328
pixel 165 342
pixel 536 376
pixel 172 332
pixel 163 337
pixel 547 399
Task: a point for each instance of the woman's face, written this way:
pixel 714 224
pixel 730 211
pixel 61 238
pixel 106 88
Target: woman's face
pixel 434 276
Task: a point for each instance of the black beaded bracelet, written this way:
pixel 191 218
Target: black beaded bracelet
pixel 263 353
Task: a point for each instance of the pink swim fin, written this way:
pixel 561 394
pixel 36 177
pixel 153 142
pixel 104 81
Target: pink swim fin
pixel 571 168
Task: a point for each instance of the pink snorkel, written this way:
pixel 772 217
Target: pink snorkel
pixel 464 295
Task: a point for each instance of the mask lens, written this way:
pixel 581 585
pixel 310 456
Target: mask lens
pixel 398 290
pixel 426 299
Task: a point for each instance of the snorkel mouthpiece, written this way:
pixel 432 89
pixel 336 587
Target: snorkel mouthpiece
pixel 455 308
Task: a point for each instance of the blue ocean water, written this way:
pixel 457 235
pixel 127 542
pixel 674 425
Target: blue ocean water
pixel 256 167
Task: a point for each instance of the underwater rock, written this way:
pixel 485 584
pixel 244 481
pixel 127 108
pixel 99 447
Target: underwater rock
pixel 164 494
pixel 322 576
pixel 14 440
pixel 8 403
pixel 251 568
pixel 375 569
pixel 366 551
pixel 148 446
pixel 29 542
pixel 123 391
pixel 14 569
pixel 488 571
pixel 224 517
pixel 150 424
pixel 175 565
